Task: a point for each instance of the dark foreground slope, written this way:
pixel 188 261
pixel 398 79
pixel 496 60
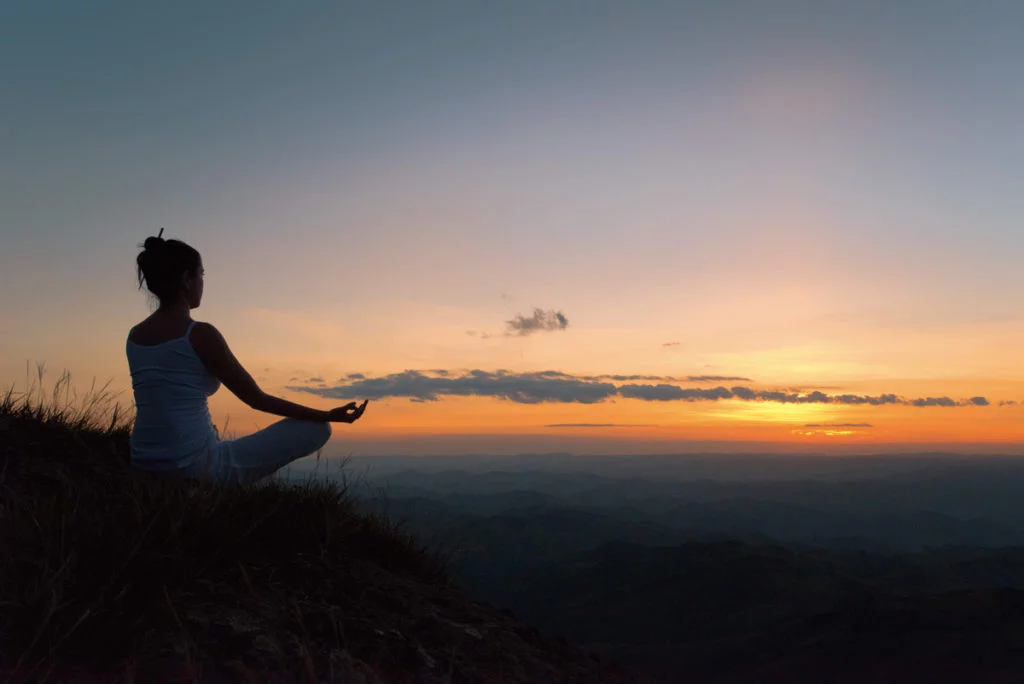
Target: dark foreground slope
pixel 106 576
pixel 732 612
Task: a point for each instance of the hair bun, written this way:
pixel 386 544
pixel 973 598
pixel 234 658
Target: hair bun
pixel 154 242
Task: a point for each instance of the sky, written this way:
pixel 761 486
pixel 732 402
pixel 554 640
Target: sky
pixel 598 227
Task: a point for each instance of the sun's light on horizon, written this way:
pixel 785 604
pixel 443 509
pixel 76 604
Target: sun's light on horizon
pixel 830 208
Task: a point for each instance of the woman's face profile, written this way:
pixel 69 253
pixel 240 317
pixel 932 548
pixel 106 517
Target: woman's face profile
pixel 194 287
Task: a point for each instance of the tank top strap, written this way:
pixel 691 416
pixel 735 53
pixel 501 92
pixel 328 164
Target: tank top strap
pixel 188 330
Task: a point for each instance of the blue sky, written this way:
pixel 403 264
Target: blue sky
pixel 762 181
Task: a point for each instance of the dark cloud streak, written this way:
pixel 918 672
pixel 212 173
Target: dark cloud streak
pixel 558 387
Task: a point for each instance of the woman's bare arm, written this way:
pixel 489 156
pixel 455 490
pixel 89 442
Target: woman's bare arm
pixel 215 354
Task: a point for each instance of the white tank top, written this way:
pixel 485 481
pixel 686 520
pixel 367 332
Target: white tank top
pixel 172 418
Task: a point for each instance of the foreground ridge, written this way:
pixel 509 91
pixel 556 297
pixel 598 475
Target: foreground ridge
pixel 108 575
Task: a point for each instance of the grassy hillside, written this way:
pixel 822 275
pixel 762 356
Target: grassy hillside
pixel 109 575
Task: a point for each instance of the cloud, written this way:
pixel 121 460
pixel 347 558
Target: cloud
pixel 317 379
pixel 559 387
pixel 1009 402
pixel 669 344
pixel 665 378
pixel 598 425
pixel 881 400
pixel 933 401
pixel 666 392
pixel 355 376
pixel 629 378
pixel 540 321
pixel 522 388
pixel 839 425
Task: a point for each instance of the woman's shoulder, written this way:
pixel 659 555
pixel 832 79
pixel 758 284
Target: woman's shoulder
pixel 203 334
pixel 154 331
pixel 140 330
pixel 202 328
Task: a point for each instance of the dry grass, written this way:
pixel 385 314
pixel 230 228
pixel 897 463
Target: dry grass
pixel 99 564
pixel 97 410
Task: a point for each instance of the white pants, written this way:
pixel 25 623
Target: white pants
pixel 248 459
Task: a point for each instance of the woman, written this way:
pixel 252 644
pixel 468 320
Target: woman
pixel 176 363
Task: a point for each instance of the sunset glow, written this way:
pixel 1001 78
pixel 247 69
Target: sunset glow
pixel 434 208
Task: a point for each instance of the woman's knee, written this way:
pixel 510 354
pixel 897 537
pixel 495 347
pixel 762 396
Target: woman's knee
pixel 320 433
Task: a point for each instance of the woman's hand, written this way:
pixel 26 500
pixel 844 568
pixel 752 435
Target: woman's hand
pixel 349 413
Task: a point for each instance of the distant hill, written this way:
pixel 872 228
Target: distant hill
pixel 734 612
pixel 800 585
pixel 951 505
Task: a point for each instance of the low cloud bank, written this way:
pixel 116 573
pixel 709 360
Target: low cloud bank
pixel 558 387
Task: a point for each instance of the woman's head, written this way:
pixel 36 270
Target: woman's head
pixel 172 270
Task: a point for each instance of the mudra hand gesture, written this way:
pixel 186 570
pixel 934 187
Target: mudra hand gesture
pixel 349 413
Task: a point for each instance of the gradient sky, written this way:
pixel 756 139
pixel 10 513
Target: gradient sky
pixel 805 196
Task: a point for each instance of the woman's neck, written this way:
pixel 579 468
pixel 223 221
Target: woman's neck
pixel 179 309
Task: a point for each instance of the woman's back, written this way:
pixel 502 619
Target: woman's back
pixel 171 385
pixel 175 366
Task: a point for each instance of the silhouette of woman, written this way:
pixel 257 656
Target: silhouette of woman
pixel 176 363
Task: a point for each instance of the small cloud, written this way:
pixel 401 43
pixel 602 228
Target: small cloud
pixel 1009 402
pixel 978 401
pixel 839 425
pixel 293 379
pixel 540 321
pixel 317 379
pixel 355 376
pixel 669 344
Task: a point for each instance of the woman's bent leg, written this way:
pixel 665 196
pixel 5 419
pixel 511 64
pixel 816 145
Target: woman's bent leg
pixel 253 457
